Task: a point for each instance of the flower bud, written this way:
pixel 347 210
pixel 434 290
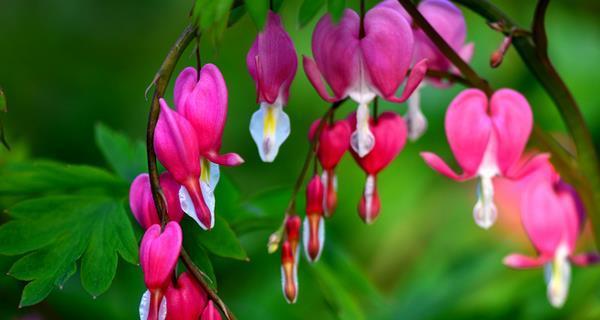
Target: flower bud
pixel 210 312
pixel 289 272
pixel 313 232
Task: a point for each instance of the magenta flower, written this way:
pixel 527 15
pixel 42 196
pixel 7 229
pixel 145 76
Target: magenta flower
pixel 449 22
pixel 158 256
pixel 202 101
pixel 272 63
pixel 487 140
pixel 142 203
pixel 553 217
pixel 210 312
pixel 333 142
pixel 390 133
pixel 364 66
pixel 177 148
pixel 185 300
pixel 313 230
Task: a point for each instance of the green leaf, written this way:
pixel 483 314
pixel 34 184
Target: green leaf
pixel 308 10
pixel 336 8
pixel 220 240
pixel 27 178
pixel 56 231
pixel 3 109
pixel 236 14
pixel 201 260
pixel 126 157
pixel 257 9
pixel 211 17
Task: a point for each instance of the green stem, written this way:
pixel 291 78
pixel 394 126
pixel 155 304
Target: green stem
pixel 533 51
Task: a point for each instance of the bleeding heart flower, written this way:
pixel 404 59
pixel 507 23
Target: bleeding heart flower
pixel 553 217
pixel 177 148
pixel 289 259
pixel 202 101
pixel 333 142
pixel 364 66
pixel 449 22
pixel 158 256
pixel 487 140
pixel 142 203
pixel 313 230
pixel 272 63
pixel 210 312
pixel 185 300
pixel 390 133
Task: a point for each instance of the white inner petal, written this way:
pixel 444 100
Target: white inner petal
pixel 485 212
pixel 187 205
pixel 368 194
pixel 558 277
pixel 162 311
pixel 145 305
pixel 325 182
pixel 417 123
pixel 362 139
pixel 269 127
pixel 208 183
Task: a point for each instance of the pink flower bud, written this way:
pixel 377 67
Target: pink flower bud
pixel 289 272
pixel 177 149
pixel 314 225
pixel 292 231
pixel 487 139
pixel 186 300
pixel 272 63
pixel 142 203
pixel 390 132
pixel 210 312
pixel 158 256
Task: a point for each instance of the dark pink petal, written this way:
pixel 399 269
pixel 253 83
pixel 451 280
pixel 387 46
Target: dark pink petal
pixel 386 49
pixel 519 261
pixel 210 312
pixel 184 85
pixel 186 300
pixel 170 189
pixel 176 145
pixel 272 61
pixel 141 202
pixel 585 259
pixel 573 211
pixel 206 108
pixel 468 129
pixel 333 142
pixel 417 74
pixel 523 168
pixel 336 51
pixel 159 253
pixel 543 215
pixel 513 121
pixel 437 164
pixel 390 135
pixel 315 78
pixel 227 159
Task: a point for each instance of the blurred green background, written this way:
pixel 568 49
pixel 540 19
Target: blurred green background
pixel 67 65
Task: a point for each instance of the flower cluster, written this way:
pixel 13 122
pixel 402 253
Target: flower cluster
pixel 187 142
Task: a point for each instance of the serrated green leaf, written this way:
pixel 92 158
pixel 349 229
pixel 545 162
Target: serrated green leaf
pixel 201 260
pixel 257 9
pixel 336 8
pixel 126 157
pixel 27 178
pixel 63 229
pixel 220 240
pixel 308 10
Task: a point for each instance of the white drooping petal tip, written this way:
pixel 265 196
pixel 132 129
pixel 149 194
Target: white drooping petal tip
pixel 269 127
pixel 485 212
pixel 187 205
pixel 415 119
pixel 558 277
pixel 362 139
pixel 145 307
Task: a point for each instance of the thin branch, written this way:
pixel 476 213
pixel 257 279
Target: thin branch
pixel 161 81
